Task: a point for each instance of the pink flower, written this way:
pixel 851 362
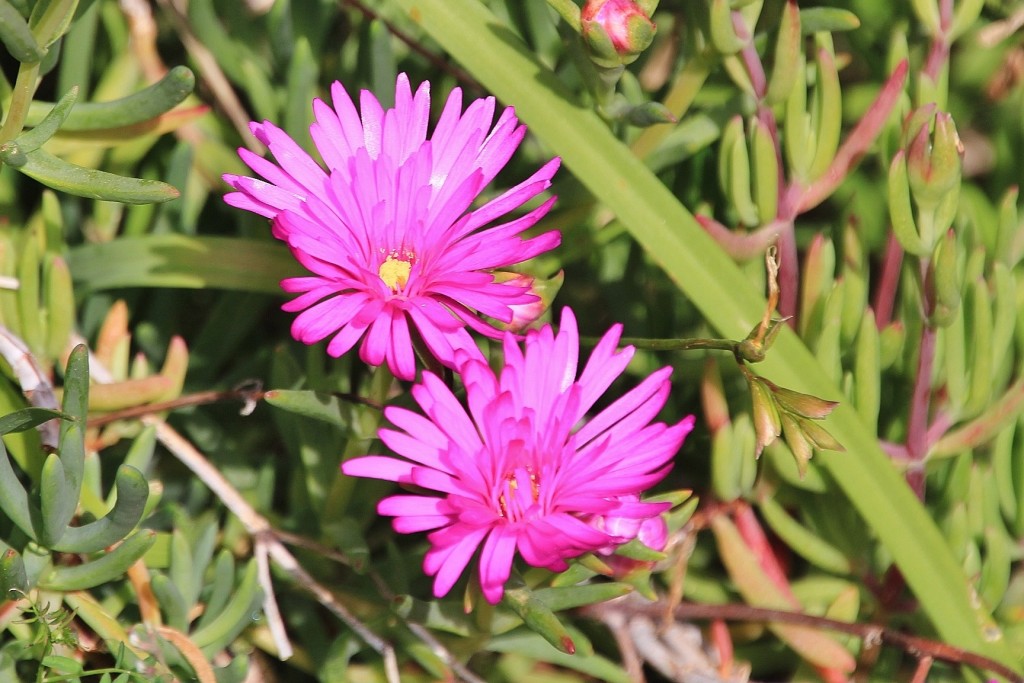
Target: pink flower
pixel 521 469
pixel 387 230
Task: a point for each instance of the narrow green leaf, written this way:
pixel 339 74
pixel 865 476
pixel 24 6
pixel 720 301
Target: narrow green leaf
pixel 672 238
pixel 50 19
pixel 12 573
pixel 439 615
pixel 539 618
pixel 222 589
pixel 110 566
pixel 132 494
pixel 181 261
pixel 172 604
pixel 143 105
pixel 60 303
pixel 238 614
pixel 85 182
pixel 532 646
pixel 46 128
pixel 75 404
pixel 14 498
pixel 802 540
pixel 316 404
pixel 26 418
pixel 57 507
pixel 16 35
pixel 827 20
pixel 569 597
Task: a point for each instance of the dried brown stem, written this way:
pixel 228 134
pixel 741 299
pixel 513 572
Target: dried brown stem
pixel 212 74
pixel 915 645
pixel 244 395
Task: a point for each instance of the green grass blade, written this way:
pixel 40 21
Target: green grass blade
pixel 181 261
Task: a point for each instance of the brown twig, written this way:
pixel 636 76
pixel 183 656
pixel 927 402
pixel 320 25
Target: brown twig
pixel 915 645
pixel 244 395
pixel 212 74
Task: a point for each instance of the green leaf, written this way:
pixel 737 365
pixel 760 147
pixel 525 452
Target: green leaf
pixel 132 494
pixel 26 418
pixel 539 618
pixel 181 261
pixel 46 128
pixel 238 614
pixel 725 296
pixel 172 604
pixel 758 589
pixel 439 615
pixel 14 498
pixel 85 182
pixel 568 597
pixel 50 19
pixel 57 506
pixel 12 573
pixel 109 567
pixel 16 35
pixel 534 647
pixel 316 404
pixel 827 20
pixel 141 106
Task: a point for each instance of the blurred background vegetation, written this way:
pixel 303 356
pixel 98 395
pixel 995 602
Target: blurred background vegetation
pixel 200 397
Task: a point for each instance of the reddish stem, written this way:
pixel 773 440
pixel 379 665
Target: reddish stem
pixel 789 276
pixel 920 401
pixel 921 647
pixel 888 282
pixel 722 641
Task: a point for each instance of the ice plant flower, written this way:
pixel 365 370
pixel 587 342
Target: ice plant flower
pixel 388 231
pixel 521 469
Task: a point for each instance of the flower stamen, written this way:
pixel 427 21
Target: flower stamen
pixel 395 271
pixel 511 503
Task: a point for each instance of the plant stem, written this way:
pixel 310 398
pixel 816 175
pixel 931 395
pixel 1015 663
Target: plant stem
pixel 21 98
pixel 919 647
pixel 920 401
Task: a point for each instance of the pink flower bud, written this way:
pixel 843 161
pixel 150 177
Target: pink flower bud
pixel 525 315
pixel 616 31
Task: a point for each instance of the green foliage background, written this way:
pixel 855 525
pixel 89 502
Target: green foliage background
pixel 177 297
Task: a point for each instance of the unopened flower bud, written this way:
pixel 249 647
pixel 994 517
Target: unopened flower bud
pixel 934 160
pixel 615 31
pixel 525 315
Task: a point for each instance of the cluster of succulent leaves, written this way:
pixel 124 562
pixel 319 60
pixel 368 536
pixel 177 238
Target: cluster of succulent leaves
pixel 119 564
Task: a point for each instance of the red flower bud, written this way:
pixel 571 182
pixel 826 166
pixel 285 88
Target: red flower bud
pixel 616 31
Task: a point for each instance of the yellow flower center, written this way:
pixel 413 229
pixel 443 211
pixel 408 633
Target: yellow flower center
pixel 395 271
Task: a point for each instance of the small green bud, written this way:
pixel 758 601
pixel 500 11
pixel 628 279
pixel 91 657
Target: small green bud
pixel 767 423
pixel 649 114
